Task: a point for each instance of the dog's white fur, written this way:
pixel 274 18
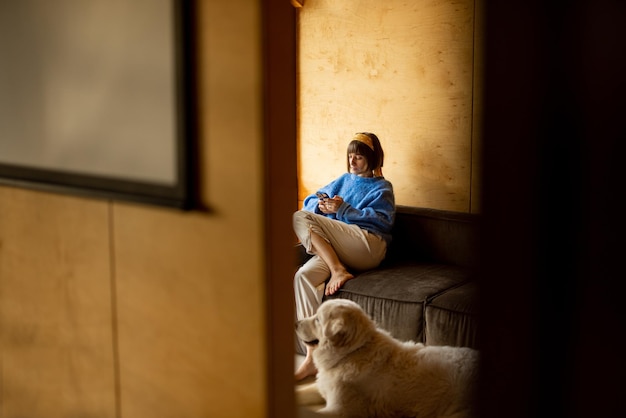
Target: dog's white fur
pixel 364 372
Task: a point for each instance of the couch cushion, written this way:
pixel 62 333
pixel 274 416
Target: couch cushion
pixel 435 236
pixel 395 296
pixel 451 317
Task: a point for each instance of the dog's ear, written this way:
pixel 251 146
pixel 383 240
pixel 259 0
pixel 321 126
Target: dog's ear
pixel 339 330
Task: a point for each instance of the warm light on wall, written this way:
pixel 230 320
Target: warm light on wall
pixel 413 73
pixel 297 3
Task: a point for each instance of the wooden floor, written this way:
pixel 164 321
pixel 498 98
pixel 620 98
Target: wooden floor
pixel 306 411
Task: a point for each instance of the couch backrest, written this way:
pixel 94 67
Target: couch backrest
pixel 434 235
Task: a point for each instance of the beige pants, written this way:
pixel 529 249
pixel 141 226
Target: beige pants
pixel 357 249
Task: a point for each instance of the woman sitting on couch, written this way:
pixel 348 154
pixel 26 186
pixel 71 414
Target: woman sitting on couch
pixel 345 225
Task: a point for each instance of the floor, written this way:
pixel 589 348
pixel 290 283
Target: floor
pixel 303 411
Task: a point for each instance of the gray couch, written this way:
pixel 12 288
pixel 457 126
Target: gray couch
pixel 424 290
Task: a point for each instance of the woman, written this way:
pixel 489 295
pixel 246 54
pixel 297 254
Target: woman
pixel 345 225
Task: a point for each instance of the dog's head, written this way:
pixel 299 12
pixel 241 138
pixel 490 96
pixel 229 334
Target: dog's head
pixel 339 325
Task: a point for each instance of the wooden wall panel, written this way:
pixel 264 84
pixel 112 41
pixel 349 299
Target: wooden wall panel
pixel 402 70
pixel 191 334
pixel 478 107
pixel 191 286
pixel 55 303
pixel 118 310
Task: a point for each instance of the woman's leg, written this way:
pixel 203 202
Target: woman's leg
pixel 320 236
pixel 309 291
pixel 338 276
pixel 307 368
pixel 339 245
pixel 308 284
pixel 338 272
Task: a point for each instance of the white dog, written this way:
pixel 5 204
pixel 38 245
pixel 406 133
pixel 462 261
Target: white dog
pixel 364 372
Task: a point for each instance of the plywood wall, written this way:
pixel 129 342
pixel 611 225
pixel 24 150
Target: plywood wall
pixel 403 70
pixel 110 309
pixel 55 300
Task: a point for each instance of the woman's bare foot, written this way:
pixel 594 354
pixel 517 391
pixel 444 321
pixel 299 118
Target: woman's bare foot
pixel 336 281
pixel 306 369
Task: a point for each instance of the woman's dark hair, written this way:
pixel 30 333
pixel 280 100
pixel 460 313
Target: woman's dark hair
pixel 374 157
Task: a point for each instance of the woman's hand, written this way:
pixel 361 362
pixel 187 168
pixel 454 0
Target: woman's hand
pixel 330 205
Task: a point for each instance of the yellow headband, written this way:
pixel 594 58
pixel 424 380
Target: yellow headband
pixel 377 172
pixel 364 139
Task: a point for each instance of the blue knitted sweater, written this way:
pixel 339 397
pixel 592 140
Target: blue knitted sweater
pixel 367 202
